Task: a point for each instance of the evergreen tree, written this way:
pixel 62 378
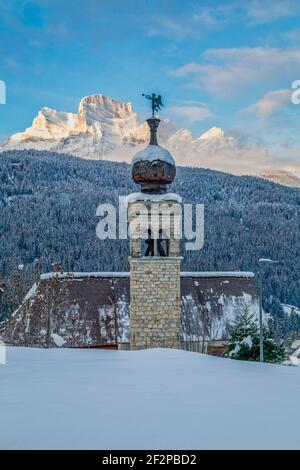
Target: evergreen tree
pixel 244 341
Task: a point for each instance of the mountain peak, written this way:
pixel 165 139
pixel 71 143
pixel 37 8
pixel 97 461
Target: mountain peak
pixel 213 133
pixel 101 125
pixel 102 102
pixel 106 128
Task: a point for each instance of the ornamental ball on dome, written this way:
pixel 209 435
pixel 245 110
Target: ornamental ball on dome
pixel 153 167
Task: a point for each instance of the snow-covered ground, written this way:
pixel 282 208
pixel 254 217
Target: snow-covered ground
pixel 153 399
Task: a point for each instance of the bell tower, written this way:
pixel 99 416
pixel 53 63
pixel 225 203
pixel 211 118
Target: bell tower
pixel 154 217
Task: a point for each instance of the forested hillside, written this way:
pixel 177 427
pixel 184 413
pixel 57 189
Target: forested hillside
pixel 48 207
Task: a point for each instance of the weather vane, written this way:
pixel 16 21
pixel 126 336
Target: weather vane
pixel 156 102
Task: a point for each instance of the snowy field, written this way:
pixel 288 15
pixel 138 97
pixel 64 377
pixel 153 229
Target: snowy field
pixel 154 399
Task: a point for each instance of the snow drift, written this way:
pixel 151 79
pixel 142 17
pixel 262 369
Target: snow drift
pixel 153 399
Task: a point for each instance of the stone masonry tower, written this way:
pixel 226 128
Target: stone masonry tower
pixel 154 218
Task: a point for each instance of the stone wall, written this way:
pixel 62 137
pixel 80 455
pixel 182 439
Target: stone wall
pixel 155 302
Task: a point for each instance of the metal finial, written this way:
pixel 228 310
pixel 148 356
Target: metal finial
pixel 153 124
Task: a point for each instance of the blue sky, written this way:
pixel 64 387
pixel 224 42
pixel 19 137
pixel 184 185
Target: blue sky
pixel 229 64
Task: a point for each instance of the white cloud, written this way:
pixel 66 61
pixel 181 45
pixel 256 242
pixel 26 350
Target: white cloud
pixel 10 63
pixel 266 11
pixel 37 43
pixel 293 35
pixel 217 150
pixel 209 17
pixel 170 27
pixel 192 113
pixel 184 102
pixel 253 12
pixel 205 18
pixel 225 72
pixel 270 103
pixel 189 24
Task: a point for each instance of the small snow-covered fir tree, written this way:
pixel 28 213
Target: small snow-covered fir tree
pixel 244 341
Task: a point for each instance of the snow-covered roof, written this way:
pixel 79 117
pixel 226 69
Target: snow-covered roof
pixel 107 274
pixel 93 309
pixel 83 275
pixel 152 153
pixel 217 274
pixel 289 309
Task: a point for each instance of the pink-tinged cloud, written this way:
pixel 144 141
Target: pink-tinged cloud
pixel 228 72
pixel 270 103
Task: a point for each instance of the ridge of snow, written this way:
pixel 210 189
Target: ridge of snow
pixel 288 309
pixel 247 341
pixel 66 275
pixel 235 350
pixel 32 292
pixel 217 274
pixel 127 274
pixel 58 340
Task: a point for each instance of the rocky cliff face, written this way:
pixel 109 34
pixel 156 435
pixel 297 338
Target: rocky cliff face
pixel 101 126
pixel 105 128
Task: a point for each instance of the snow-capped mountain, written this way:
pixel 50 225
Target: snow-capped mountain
pixel 100 126
pixel 105 128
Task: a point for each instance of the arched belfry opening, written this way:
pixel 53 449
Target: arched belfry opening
pixel 154 218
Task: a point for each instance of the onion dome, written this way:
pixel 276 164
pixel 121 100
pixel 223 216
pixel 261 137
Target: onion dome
pixel 153 167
